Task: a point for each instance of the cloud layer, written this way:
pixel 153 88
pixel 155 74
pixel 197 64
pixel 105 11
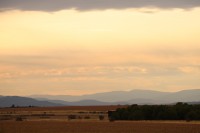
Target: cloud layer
pixel 51 74
pixel 56 5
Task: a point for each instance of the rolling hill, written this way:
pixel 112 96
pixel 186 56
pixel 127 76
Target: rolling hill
pixel 131 97
pixel 107 98
pixel 8 101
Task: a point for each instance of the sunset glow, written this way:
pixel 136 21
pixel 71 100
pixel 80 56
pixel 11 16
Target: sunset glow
pixel 74 52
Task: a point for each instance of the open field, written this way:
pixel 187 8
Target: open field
pixel 84 120
pixel 88 108
pixel 57 113
pixel 98 127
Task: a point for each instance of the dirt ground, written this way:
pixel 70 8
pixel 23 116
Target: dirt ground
pixel 56 120
pixel 99 127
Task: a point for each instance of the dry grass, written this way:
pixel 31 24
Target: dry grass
pixel 98 127
pixel 54 113
pixel 58 122
pixel 75 108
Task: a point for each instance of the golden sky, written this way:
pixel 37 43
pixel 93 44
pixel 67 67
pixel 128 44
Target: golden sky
pixel 76 52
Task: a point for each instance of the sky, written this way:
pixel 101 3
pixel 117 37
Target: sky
pixel 76 47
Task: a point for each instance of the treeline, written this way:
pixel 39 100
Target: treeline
pixel 180 111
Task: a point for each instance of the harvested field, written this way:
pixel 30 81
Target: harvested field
pixel 98 127
pixel 88 108
pixel 83 119
pixel 57 113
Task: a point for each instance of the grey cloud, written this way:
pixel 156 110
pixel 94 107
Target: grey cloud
pixel 56 5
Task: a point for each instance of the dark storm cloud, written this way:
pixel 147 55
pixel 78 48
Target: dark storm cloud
pixel 55 5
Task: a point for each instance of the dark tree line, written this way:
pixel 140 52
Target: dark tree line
pixel 180 111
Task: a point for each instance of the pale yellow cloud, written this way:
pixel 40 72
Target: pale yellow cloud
pixel 190 69
pixel 36 32
pixel 93 51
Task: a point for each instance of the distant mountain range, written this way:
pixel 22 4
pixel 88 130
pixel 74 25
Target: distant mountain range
pixel 134 96
pixel 107 98
pixel 114 96
pixel 8 101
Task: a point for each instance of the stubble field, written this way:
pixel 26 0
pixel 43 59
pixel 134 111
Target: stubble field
pixel 56 120
pixel 98 127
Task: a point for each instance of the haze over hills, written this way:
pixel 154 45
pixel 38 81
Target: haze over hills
pixel 8 101
pixel 107 98
pixel 114 96
pixel 132 97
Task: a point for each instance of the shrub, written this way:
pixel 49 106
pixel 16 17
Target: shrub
pixel 87 117
pixel 19 119
pixel 101 117
pixel 71 117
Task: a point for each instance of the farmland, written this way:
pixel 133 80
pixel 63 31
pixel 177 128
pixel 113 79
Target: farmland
pixel 56 113
pixel 84 120
pixel 98 127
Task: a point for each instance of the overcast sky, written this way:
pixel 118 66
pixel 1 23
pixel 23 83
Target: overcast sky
pixel 76 47
pixel 56 5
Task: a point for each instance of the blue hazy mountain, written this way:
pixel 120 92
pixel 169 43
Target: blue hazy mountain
pixel 107 98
